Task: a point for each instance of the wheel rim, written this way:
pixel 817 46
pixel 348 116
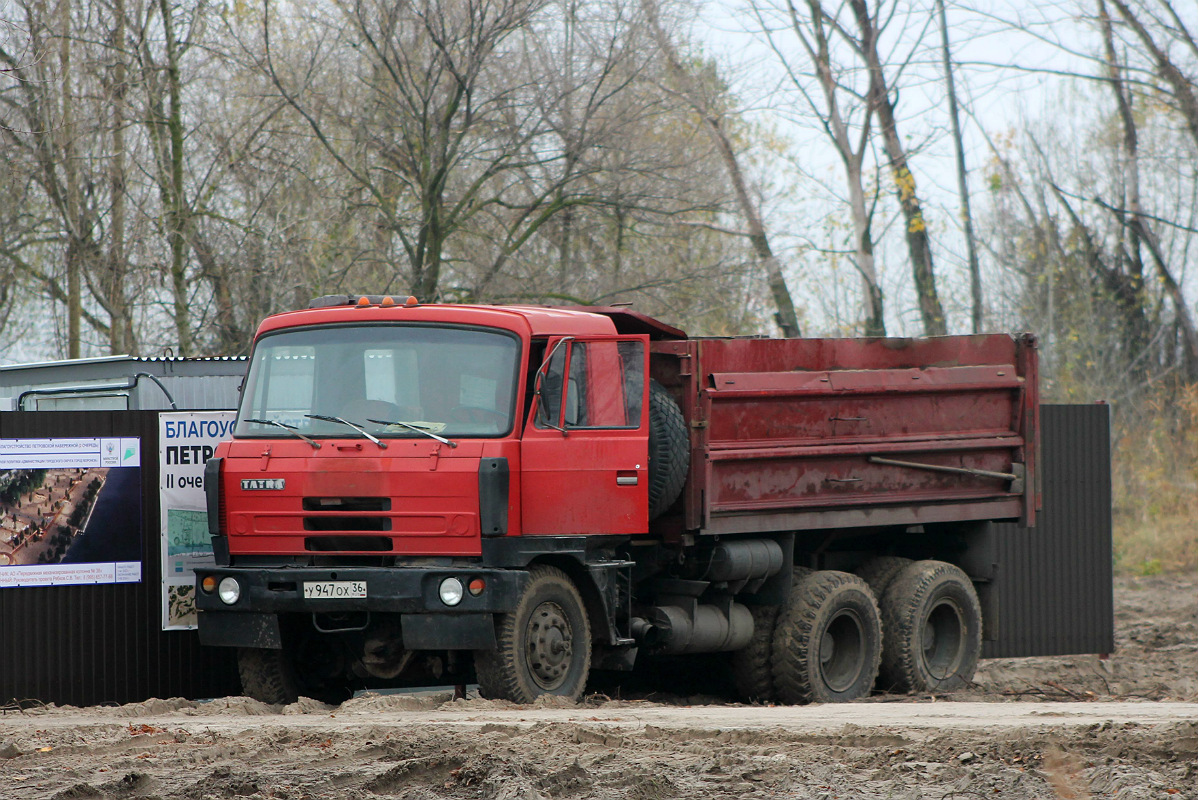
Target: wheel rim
pixel 842 651
pixel 943 639
pixel 550 645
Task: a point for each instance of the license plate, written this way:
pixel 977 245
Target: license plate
pixel 333 590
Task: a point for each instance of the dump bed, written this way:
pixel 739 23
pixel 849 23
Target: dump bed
pixel 801 434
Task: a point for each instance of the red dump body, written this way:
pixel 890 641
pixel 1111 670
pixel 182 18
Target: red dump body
pixel 805 434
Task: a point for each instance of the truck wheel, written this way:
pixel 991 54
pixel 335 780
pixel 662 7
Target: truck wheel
pixel 751 668
pixel 669 450
pixel 266 675
pixel 271 676
pixel 933 626
pixel 752 675
pixel 879 572
pixel 544 646
pixel 828 640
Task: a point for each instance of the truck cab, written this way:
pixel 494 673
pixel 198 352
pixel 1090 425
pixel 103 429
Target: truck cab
pixel 380 445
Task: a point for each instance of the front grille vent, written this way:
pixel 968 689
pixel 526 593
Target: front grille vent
pixel 326 544
pixel 347 523
pixel 347 503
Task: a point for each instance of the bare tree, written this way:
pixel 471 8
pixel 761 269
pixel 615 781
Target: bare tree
pixel 412 140
pixel 1140 231
pixel 713 120
pixel 1114 211
pixel 919 243
pixel 1174 84
pixel 975 270
pixel 41 120
pixel 845 115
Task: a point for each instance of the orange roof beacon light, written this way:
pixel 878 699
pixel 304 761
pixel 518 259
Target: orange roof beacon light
pixel 411 301
pixel 387 302
pixel 363 301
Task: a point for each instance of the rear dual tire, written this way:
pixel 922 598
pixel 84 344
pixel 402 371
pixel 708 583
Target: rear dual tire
pixel 822 646
pixel 933 629
pixel 827 641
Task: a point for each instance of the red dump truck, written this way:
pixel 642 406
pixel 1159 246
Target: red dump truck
pixel 419 493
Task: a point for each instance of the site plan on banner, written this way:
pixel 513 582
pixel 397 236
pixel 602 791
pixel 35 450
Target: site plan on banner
pixel 70 511
pixel 186 441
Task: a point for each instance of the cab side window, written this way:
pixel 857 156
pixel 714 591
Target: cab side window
pixel 593 384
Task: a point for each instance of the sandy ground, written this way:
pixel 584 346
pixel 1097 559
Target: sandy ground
pixel 1073 727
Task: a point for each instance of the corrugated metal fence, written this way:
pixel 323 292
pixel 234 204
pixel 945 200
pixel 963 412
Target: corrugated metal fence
pixel 1054 581
pixel 86 645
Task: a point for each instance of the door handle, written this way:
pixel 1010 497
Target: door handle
pixel 626 478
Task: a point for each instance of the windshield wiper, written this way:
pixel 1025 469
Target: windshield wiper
pixel 354 425
pixel 289 428
pixel 416 428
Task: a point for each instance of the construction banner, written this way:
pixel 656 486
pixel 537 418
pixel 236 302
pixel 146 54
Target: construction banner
pixel 187 440
pixel 70 511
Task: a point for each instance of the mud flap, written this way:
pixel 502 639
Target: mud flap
pixel 448 631
pixel 240 630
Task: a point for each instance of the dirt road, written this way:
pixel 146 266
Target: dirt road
pixel 1129 730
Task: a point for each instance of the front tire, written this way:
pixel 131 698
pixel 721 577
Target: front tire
pixel 827 641
pixel 543 647
pixel 933 625
pixel 267 676
pixel 308 666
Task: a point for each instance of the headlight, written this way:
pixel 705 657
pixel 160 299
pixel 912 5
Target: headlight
pixel 229 591
pixel 451 591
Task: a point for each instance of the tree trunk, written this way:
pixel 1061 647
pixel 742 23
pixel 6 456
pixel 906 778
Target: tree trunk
pixel 76 252
pixel 919 244
pixel 1136 300
pixel 853 160
pixel 975 271
pixel 785 316
pixel 230 338
pixel 120 325
pixel 176 211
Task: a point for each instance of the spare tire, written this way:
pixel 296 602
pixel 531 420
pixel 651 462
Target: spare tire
pixel 669 450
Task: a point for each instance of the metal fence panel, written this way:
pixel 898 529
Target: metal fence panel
pixel 1055 581
pixel 86 645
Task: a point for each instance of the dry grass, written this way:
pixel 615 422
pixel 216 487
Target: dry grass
pixel 1154 474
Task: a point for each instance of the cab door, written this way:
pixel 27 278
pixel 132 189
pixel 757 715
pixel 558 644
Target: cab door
pixel 585 451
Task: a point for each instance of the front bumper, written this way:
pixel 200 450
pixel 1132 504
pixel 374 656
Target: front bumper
pixel 411 592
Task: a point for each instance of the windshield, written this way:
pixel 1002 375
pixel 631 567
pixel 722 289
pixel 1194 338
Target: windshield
pixel 400 381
